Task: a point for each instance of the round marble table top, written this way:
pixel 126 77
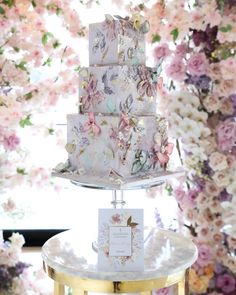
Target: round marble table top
pixel 166 253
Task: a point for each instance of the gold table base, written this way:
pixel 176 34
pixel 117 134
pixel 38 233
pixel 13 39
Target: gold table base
pixel 81 286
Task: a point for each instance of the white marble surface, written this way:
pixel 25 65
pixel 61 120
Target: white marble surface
pixel 165 253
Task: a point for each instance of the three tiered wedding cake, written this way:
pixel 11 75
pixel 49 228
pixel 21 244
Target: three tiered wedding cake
pixel 117 130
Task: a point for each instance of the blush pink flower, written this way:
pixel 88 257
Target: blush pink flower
pixel 197 64
pixel 204 255
pixel 164 291
pixel 161 51
pixel 11 142
pixel 226 135
pixel 181 50
pixel 226 282
pixel 176 69
pixel 116 218
pixel 179 193
pixel 190 198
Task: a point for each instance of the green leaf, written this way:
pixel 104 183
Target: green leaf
pixel 22 65
pixel 56 44
pixel 46 37
pixel 9 3
pixel 221 4
pixel 226 29
pixel 1 51
pixel 16 49
pixel 175 34
pixel 169 189
pixel 156 38
pixel 58 11
pixel 2 11
pixel 225 54
pixel 141 6
pixel 28 95
pixel 47 62
pixel 33 3
pixel 25 122
pixel 77 69
pixel 51 131
pixel 21 171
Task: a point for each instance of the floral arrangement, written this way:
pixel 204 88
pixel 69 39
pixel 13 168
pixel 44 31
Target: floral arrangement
pixel 15 276
pixel 28 52
pixel 195 53
pixel 37 69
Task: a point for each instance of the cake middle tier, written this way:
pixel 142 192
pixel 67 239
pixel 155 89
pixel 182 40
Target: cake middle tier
pixel 101 145
pixel 118 89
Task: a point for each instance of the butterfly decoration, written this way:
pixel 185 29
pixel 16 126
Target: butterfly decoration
pixel 62 167
pixel 146 85
pixel 135 23
pixel 91 125
pixel 70 148
pixel 92 95
pixel 111 27
pixel 131 223
pixel 162 154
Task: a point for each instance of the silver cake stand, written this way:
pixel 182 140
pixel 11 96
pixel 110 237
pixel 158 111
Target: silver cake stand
pixel 118 185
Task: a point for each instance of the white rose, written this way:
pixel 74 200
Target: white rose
pixel 218 161
pixel 17 240
pixel 231 189
pixel 212 189
pixel 212 103
pixel 221 178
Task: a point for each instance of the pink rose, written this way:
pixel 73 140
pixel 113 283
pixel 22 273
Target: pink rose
pixel 197 64
pixel 226 135
pixel 226 283
pixel 179 193
pixel 226 107
pixel 176 69
pixel 11 142
pixel 204 255
pixel 181 50
pixel 212 189
pixel 161 51
pixel 190 198
pixel 212 103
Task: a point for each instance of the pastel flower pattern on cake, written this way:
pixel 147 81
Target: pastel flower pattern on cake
pixel 92 95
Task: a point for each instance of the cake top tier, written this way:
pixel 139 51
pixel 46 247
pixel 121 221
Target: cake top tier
pixel 118 40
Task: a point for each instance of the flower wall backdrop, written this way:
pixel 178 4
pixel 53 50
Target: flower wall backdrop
pixel 37 69
pixel 195 43
pixel 195 52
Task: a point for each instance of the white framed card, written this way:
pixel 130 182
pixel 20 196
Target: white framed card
pixel 120 240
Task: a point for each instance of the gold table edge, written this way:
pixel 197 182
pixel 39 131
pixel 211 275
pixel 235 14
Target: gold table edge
pixel 107 286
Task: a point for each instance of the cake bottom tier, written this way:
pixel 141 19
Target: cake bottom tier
pixel 120 145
